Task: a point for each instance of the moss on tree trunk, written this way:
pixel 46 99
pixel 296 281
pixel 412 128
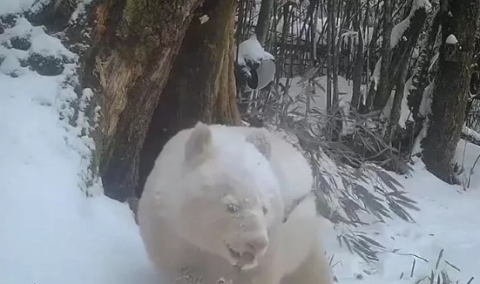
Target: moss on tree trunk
pixel 451 88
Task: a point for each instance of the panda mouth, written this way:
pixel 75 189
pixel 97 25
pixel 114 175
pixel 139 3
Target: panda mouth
pixel 244 260
pixel 233 253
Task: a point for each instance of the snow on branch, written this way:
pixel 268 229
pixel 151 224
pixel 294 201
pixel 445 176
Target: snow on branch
pixel 451 39
pixel 470 133
pixel 250 52
pixel 398 30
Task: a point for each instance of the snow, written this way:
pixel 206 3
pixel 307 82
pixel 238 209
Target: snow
pixel 434 61
pixel 251 54
pixel 422 4
pixel 405 113
pixel 17 6
pixel 251 51
pixel 57 226
pixel 467 155
pixel 299 89
pixel 446 221
pixel 470 132
pixel 10 65
pixel 80 10
pixel 203 19
pixel 51 232
pixel 376 73
pixel 451 39
pixel 400 28
pixel 41 43
pixel 424 110
pixel 398 31
pixel 426 102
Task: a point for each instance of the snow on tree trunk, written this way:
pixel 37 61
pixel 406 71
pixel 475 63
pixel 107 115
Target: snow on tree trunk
pixel 459 18
pixel 403 39
pixel 391 132
pixel 422 70
pixel 201 85
pixel 382 93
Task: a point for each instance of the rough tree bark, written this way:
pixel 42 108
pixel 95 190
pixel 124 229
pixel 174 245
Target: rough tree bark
pixel 459 18
pixel 136 43
pixel 201 85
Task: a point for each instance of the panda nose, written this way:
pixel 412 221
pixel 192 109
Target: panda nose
pixel 258 245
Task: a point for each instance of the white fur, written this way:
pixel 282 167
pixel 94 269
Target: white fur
pixel 210 188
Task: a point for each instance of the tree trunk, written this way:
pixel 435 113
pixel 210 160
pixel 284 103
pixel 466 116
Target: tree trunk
pixel 397 103
pixel 337 116
pixel 335 48
pixel 451 87
pixel 422 70
pixel 135 48
pixel 135 44
pixel 358 68
pixel 201 86
pixel 263 22
pixel 382 94
pixel 400 53
pixel 330 39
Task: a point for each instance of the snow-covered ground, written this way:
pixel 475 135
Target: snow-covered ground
pixel 448 221
pixel 52 233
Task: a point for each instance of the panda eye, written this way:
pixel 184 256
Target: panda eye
pixel 232 208
pixel 265 210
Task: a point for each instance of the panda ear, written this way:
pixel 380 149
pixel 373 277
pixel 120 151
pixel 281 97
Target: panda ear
pixel 198 144
pixel 260 141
